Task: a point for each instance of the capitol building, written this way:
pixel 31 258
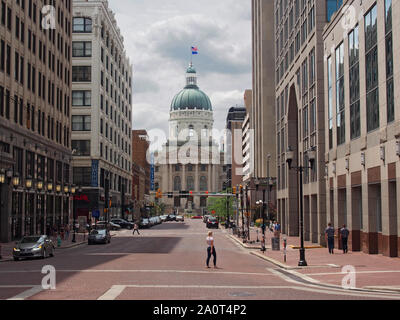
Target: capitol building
pixel 191 160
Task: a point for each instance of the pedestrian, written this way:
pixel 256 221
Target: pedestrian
pixel 344 235
pixel 277 230
pixel 67 231
pixel 211 250
pixel 330 237
pixel 136 228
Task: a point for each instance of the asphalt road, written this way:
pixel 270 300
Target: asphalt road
pixel 166 262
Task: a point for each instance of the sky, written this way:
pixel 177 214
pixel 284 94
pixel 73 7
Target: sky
pixel 158 35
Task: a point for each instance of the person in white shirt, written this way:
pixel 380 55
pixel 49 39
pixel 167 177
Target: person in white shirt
pixel 211 250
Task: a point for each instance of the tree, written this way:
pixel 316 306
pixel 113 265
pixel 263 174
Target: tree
pixel 219 206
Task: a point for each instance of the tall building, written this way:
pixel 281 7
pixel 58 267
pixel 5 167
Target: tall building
pixel 300 124
pixel 233 152
pixel 191 159
pixel 141 181
pixel 101 110
pixel 362 112
pixel 262 116
pixel 35 94
pixel 247 139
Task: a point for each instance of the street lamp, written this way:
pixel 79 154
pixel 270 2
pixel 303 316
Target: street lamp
pixel 50 186
pixel 16 180
pixel 2 176
pixel 58 188
pixel 300 169
pixel 39 185
pixel 28 183
pixel 73 192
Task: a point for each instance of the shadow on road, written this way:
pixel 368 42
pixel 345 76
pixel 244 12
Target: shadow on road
pixel 171 226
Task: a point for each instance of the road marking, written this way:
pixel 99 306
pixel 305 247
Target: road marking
pixel 113 293
pixel 357 272
pixel 282 276
pixel 26 294
pixel 303 276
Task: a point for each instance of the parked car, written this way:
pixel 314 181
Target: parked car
pixel 163 218
pixel 103 225
pixel 172 217
pixel 34 247
pixel 144 223
pixel 205 218
pixel 197 217
pixel 123 223
pixel 99 236
pixel 212 222
pixel 180 219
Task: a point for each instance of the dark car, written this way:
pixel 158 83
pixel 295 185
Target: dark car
pixel 99 236
pixel 205 218
pixel 33 247
pixel 172 217
pixel 212 222
pixel 144 223
pixel 123 223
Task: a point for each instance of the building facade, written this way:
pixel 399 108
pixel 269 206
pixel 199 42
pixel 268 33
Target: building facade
pixel 101 110
pixel 35 97
pixel 141 161
pixel 233 145
pixel 300 124
pixel 262 115
pixel 362 112
pixel 191 159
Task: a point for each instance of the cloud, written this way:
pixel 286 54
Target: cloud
pixel 158 35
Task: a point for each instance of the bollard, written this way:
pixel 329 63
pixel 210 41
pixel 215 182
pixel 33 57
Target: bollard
pixel 284 249
pixel 58 241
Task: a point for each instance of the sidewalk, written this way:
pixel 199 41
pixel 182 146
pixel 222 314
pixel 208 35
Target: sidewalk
pixel 7 248
pixel 372 271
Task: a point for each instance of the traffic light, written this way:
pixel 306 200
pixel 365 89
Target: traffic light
pixel 234 190
pixel 159 194
pixel 191 193
pixel 241 188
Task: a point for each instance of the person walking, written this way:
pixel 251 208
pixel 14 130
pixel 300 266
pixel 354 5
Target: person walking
pixel 344 235
pixel 136 228
pixel 211 250
pixel 330 237
pixel 67 231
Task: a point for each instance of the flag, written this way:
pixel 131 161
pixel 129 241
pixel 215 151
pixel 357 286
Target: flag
pixel 195 50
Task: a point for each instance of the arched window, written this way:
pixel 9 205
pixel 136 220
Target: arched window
pixel 190 183
pixel 177 184
pixel 203 183
pixel 191 131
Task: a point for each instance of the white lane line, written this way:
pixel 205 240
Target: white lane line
pixel 357 272
pixel 113 293
pixel 116 291
pixel 28 293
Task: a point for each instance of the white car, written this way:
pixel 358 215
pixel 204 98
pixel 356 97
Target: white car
pixel 180 219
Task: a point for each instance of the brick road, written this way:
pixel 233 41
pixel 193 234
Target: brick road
pixel 166 262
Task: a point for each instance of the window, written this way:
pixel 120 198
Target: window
pixel 82 25
pixel 340 103
pixel 331 7
pixel 190 183
pixel 330 110
pixel 81 49
pixel 177 184
pixel 354 84
pixel 82 147
pixel 389 61
pixel 203 183
pixel 81 123
pixel 371 65
pixel 82 176
pixel 81 73
pixel 81 98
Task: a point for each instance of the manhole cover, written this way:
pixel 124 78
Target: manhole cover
pixel 242 294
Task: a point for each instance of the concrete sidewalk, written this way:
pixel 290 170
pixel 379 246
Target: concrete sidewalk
pixel 375 272
pixel 7 248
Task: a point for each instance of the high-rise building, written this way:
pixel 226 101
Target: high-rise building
pixel 35 95
pixel 233 145
pixel 101 110
pixel 300 124
pixel 362 114
pixel 262 115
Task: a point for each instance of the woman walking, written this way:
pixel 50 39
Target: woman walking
pixel 211 250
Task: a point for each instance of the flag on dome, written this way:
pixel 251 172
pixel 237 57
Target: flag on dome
pixel 195 50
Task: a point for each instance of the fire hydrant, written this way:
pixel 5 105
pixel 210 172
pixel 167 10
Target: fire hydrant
pixel 58 241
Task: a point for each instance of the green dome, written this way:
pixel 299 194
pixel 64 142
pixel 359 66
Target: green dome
pixel 191 98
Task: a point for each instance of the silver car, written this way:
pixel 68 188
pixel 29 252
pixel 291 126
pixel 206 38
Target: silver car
pixel 34 247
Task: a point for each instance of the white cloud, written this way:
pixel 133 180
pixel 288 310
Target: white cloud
pixel 158 35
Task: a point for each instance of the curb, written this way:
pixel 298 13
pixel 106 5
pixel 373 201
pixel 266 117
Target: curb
pixel 307 247
pixel 273 261
pixel 389 289
pixel 244 244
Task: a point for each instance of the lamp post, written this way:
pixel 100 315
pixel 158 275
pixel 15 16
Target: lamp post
pixel 300 169
pixel 73 192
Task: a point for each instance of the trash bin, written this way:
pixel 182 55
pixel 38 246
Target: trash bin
pixel 276 244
